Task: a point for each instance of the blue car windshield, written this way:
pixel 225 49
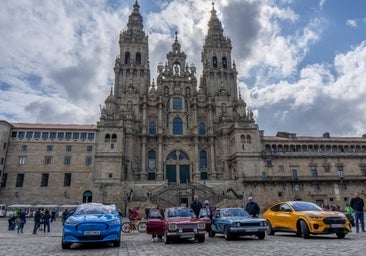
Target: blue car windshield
pixel 305 206
pixel 96 209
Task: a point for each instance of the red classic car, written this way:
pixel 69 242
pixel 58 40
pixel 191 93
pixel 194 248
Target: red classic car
pixel 177 223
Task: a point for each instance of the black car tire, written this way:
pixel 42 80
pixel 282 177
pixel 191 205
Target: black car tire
pixel 167 239
pixel 201 239
pixel 341 235
pixel 65 245
pixel 270 231
pixel 117 243
pixel 261 235
pixel 211 233
pixel 305 233
pixel 228 235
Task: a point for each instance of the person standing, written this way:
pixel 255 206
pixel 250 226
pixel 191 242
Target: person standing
pixel 37 221
pixel 22 221
pixel 196 205
pixel 357 205
pixel 206 205
pixel 252 207
pixel 46 221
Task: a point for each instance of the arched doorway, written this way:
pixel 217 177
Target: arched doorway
pixel 87 196
pixel 177 167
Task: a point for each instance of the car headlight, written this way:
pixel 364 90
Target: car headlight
pixel 315 217
pixel 201 226
pixel 236 224
pixel 263 223
pixel 70 222
pixel 172 226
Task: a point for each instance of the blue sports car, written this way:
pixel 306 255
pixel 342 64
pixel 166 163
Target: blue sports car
pixel 234 222
pixel 93 223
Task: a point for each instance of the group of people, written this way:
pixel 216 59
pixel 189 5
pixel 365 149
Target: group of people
pixel 18 220
pixel 42 217
pixel 251 207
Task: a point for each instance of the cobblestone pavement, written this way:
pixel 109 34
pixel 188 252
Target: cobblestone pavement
pixel 139 244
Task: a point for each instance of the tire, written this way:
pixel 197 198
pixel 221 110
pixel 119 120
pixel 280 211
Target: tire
pixel 341 235
pixel 227 234
pixel 117 243
pixel 305 233
pixel 167 239
pixel 141 227
pixel 65 245
pixel 126 227
pixel 261 235
pixel 201 239
pixel 211 233
pixel 270 231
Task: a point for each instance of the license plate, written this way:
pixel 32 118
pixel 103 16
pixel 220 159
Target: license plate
pixel 185 236
pixel 251 230
pixel 92 233
pixel 336 225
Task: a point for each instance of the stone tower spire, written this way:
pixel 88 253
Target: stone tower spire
pixel 132 64
pixel 218 70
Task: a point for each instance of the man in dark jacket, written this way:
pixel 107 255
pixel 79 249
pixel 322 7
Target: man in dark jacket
pixel 37 221
pixel 252 207
pixel 357 205
pixel 196 206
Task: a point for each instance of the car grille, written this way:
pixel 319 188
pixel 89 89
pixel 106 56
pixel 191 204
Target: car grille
pixel 187 226
pixel 334 220
pixel 249 224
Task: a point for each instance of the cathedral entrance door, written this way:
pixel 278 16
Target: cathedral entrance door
pixel 184 175
pixel 171 173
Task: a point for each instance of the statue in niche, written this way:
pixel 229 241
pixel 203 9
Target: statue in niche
pixel 220 165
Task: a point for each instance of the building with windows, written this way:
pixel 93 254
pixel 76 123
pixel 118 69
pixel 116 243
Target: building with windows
pixel 164 141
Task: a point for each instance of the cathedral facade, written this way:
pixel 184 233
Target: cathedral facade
pixel 164 141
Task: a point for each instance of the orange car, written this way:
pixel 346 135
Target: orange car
pixel 304 219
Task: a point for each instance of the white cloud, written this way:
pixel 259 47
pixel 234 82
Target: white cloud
pixel 351 23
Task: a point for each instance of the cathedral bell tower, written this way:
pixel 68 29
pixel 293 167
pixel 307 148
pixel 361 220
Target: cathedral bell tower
pixel 218 70
pixel 132 65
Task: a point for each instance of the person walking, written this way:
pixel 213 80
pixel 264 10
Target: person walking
pixel 357 205
pixel 22 220
pixel 196 205
pixel 37 221
pixel 252 207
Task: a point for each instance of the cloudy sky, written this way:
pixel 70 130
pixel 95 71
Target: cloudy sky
pixel 301 64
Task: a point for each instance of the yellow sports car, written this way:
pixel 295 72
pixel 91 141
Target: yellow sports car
pixel 304 219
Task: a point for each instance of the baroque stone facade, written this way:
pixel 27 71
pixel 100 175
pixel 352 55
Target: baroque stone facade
pixel 165 141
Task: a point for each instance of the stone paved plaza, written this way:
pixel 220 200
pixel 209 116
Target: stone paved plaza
pixel 138 244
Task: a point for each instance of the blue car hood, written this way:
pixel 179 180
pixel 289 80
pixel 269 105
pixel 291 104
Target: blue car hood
pixel 93 217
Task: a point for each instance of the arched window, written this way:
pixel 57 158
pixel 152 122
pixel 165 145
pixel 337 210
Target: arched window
pixel 249 139
pixel 114 137
pixel 172 156
pixel 87 196
pixel 138 58
pixel 224 62
pixel 127 57
pixel 152 159
pixel 242 138
pixel 177 103
pixel 166 91
pixel 214 62
pixel 177 125
pixel 107 138
pixel 183 156
pixel 152 128
pixel 188 92
pixel 203 159
pixel 202 129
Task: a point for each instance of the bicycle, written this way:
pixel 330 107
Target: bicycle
pixel 138 225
